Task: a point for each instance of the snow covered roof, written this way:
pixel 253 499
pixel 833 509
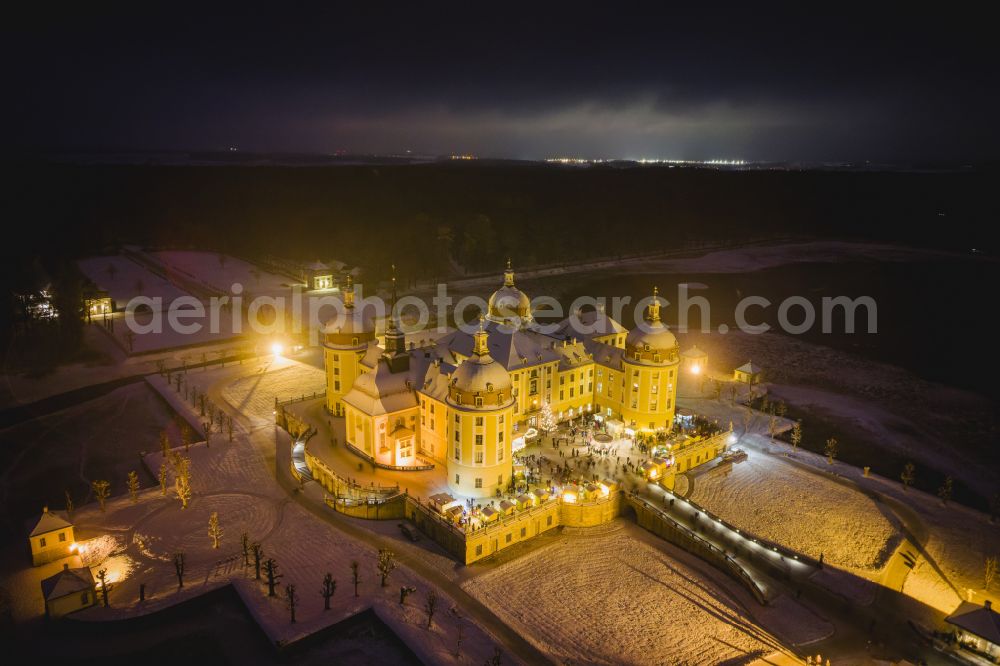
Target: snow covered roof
pixel 982 621
pixel 590 324
pixel 442 498
pixel 49 522
pixel 606 355
pixel 694 352
pixel 318 266
pixel 749 368
pixel 381 391
pixel 68 581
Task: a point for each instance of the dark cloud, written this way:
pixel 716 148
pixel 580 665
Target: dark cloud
pixel 523 83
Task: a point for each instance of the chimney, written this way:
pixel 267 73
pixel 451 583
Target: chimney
pixel 988 605
pixel 45 509
pixel 65 566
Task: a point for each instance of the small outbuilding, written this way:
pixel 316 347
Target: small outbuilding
pixel 443 501
pixel 51 539
pixel 694 361
pixel 748 373
pixel 978 627
pixel 68 591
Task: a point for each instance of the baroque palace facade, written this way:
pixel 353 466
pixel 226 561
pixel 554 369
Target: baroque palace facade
pixel 463 399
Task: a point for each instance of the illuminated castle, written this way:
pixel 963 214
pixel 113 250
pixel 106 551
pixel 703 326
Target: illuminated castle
pixel 466 399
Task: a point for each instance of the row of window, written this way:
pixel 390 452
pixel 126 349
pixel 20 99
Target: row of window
pixel 478 481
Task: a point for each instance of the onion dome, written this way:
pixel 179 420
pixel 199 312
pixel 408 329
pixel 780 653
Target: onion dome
pixel 508 304
pixel 351 327
pixel 479 381
pixel 651 341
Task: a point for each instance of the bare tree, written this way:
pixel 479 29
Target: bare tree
pixel 272 576
pixel 182 480
pixel 329 589
pixel 69 505
pixel 460 625
pixel 989 572
pixel 796 435
pixel 355 576
pixel 430 605
pixel 179 568
pixel 229 427
pixel 101 491
pixel 245 544
pixel 102 576
pixel 386 564
pixel 185 436
pixel 133 486
pixel 214 530
pixel 291 599
pixel 258 554
pixel 830 450
pixel 405 591
pixel 496 659
pixel 164 443
pixel 163 478
pixel 909 475
pixel 944 492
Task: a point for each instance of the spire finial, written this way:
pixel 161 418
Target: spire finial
pixel 654 306
pixel 480 347
pixel 508 275
pixel 349 292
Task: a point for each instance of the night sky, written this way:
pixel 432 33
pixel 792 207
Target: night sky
pixel 513 81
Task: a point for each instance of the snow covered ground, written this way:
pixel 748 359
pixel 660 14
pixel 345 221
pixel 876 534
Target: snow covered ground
pixel 207 268
pixel 125 279
pixel 253 395
pixel 881 406
pixel 66 450
pixel 617 595
pixel 811 514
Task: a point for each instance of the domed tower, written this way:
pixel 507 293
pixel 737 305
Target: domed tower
pixel 480 421
pixel 345 338
pixel 508 304
pixel 650 364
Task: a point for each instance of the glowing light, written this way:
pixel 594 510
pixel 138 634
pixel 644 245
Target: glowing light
pixel 73 547
pixel 569 497
pixel 277 348
pixel 695 369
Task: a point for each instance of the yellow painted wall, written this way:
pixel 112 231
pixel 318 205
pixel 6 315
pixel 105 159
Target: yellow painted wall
pixel 72 602
pixel 493 427
pixel 343 366
pixel 54 547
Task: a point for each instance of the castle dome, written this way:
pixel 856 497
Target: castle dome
pixel 508 303
pixel 479 381
pixel 651 340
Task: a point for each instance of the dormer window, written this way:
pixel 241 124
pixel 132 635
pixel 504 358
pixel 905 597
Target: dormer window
pixel 479 401
pixel 489 387
pixel 354 342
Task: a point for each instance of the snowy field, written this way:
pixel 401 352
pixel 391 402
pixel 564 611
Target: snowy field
pixel 803 511
pixel 607 596
pixel 206 267
pixel 66 450
pixel 253 395
pixel 879 405
pixel 124 279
